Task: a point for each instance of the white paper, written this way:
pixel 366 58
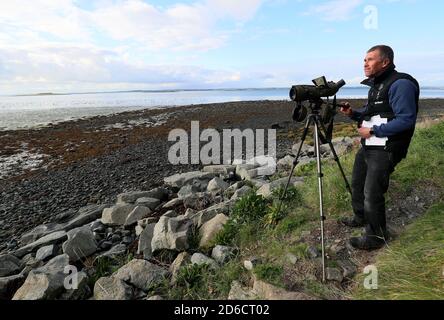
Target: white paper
pixel 373 140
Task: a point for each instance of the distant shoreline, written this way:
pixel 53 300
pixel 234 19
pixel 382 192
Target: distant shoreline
pixel 181 90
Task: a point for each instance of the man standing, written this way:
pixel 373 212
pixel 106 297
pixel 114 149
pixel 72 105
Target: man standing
pixel 386 126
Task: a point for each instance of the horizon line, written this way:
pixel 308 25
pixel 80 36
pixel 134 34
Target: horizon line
pixel 178 90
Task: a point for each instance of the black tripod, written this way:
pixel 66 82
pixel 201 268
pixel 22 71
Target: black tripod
pixel 320 133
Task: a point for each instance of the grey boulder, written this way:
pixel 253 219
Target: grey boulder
pixel 9 265
pixel 46 282
pixel 80 244
pixel 172 233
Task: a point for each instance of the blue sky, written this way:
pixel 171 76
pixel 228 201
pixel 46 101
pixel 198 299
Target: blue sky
pixel 69 45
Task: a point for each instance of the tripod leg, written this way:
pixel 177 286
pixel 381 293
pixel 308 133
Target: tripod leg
pixel 335 155
pixel 295 161
pixel 321 205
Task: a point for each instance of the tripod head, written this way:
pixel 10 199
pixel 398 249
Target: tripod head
pixel 325 111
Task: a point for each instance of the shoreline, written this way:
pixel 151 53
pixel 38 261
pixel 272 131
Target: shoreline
pixel 114 111
pixel 85 164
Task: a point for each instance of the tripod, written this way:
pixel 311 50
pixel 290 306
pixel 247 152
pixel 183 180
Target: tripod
pixel 320 133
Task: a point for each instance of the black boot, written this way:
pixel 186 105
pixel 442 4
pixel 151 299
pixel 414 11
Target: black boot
pixel 367 242
pixel 354 222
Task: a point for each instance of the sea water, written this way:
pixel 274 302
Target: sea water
pixel 34 110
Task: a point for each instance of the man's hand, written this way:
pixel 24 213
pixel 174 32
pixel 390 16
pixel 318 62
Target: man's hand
pixel 364 132
pixel 346 109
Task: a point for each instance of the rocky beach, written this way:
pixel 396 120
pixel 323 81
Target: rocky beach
pixel 104 185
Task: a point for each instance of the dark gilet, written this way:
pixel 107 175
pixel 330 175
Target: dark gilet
pixel 378 104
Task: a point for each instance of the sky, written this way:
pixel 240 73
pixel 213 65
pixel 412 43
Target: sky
pixel 108 45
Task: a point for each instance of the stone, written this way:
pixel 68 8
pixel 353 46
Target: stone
pixel 187 191
pixel 114 252
pixel 127 240
pixel 138 229
pixel 304 150
pixel 173 203
pixel 189 212
pixel 181 179
pixel 9 285
pixel 210 229
pixel 219 169
pixel 313 252
pixel 217 185
pixel 285 163
pixel 138 213
pixel 342 145
pixel 145 241
pixel 333 274
pixel 44 283
pixel 84 216
pixel 156 297
pixel 9 265
pixel 198 201
pixel 246 174
pixel 170 214
pixel 38 232
pixel 229 192
pixel 349 270
pixel 237 292
pixel 80 243
pixel 142 274
pixel 112 288
pixel 267 291
pixel 105 245
pixel 150 203
pixel 200 217
pixel 337 249
pixel 117 215
pixel 183 259
pixel 172 234
pixel 144 222
pixel 241 192
pixel 133 196
pixel 258 182
pixel 52 238
pixel 222 254
pixel 45 252
pixel 98 226
pixel 267 190
pixel 201 259
pixel 115 238
pixel 251 263
pixel 292 258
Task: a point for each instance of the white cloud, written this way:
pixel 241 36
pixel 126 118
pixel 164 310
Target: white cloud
pixel 56 42
pixel 58 18
pixel 335 10
pixel 69 67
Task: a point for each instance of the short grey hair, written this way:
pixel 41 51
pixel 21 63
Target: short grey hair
pixel 385 52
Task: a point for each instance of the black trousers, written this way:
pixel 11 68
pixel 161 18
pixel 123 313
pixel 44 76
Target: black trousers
pixel 370 181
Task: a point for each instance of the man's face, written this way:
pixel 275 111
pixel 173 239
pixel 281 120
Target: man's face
pixel 373 64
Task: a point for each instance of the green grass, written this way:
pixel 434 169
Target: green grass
pixel 425 160
pixel 271 273
pixel 412 268
pixel 199 282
